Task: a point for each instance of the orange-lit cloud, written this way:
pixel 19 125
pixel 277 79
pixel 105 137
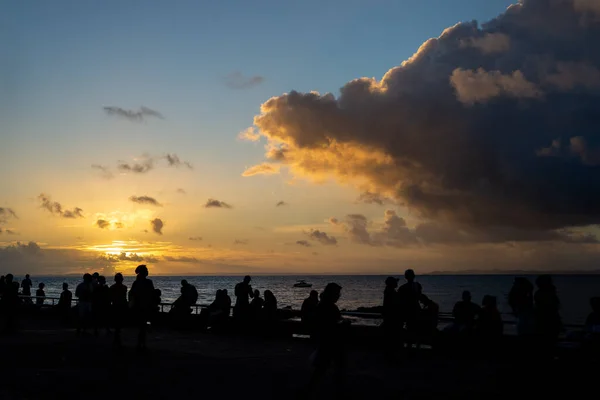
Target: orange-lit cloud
pixel 262 169
pixel 145 200
pixel 213 203
pixel 157 225
pixel 56 208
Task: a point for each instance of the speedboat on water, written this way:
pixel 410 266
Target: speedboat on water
pixel 302 284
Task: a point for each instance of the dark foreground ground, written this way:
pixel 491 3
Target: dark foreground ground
pixel 51 362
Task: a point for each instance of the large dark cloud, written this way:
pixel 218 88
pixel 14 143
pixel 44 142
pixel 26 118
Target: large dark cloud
pixel 212 203
pixel 157 225
pixel 395 232
pixel 457 133
pixel 56 208
pixel 133 115
pixel 237 80
pixel 145 200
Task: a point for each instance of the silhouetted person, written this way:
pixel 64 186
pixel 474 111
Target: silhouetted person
pixel 429 317
pixel 330 334
pixel 592 322
pixel 408 304
pixel 40 295
pixel 489 323
pixel 309 310
pixel 2 284
pixel 270 307
pixel 95 277
pixel 101 305
pixel 243 292
pixel 226 302
pixel 464 313
pixel 547 304
pixel 142 298
pixel 84 293
pixel 256 304
pixel 64 302
pixel 118 306
pixel 520 300
pixel 26 285
pixel 10 303
pixel 189 296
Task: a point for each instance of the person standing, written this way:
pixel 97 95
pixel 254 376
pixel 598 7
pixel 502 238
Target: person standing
pixel 142 303
pixel 409 306
pixel 26 288
pixel 64 302
pixel 84 293
pixel 243 294
pixel 118 302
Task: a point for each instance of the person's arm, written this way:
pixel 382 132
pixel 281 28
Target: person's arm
pixel 250 292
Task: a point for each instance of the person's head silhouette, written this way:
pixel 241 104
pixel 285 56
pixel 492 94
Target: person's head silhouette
pixel 26 276
pixel 247 279
pixel 409 275
pixel 65 286
pixel 184 282
pixel 314 295
pixel 392 282
pixel 466 296
pixel 332 293
pixel 87 278
pixel 141 271
pixel 9 278
pixel 119 277
pixel 41 285
pixel 256 293
pixel 102 280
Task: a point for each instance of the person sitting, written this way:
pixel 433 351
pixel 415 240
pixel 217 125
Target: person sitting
pixel 40 295
pixel 270 307
pixel 256 304
pixel 489 323
pixel 429 317
pixel 308 310
pixel 464 313
pixel 64 302
pixel 189 296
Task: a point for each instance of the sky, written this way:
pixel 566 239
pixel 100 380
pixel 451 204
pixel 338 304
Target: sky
pixel 315 137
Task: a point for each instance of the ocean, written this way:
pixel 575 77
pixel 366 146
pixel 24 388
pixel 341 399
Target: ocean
pixel 367 291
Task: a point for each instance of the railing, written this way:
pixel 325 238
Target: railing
pixel 443 317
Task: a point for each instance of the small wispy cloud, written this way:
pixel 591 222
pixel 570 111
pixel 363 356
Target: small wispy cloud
pixel 182 259
pixel 104 171
pixel 181 191
pixel 145 200
pixel 133 115
pixel 138 167
pixel 304 243
pixel 249 134
pixel 56 208
pixel 242 241
pixel 281 204
pixel 262 169
pixel 157 225
pixel 195 238
pixel 102 224
pixel 6 213
pixel 174 161
pixel 321 237
pixel 213 203
pixel 8 231
pixel 237 80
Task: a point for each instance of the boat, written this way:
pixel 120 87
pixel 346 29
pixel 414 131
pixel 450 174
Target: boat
pixel 302 283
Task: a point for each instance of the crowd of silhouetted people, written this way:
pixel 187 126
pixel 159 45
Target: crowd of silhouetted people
pixel 410 318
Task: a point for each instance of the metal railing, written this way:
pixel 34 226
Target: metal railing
pixel 443 317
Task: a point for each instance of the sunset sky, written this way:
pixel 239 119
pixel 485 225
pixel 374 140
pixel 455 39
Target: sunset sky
pixel 350 136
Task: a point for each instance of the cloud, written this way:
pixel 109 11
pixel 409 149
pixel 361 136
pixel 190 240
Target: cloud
pixel 145 200
pixel 355 226
pixel 133 115
pixel 6 213
pixel 262 169
pixel 281 204
pixel 181 259
pixel 242 241
pixel 181 191
pixel 105 172
pixel 321 237
pixel 453 133
pixel 489 43
pixel 304 243
pixel 373 198
pixel 236 80
pixel 195 238
pixel 212 203
pixel 56 208
pixel 249 134
pixel 124 256
pixel 102 223
pixel 174 161
pixel 587 5
pixel 137 168
pixel 157 225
